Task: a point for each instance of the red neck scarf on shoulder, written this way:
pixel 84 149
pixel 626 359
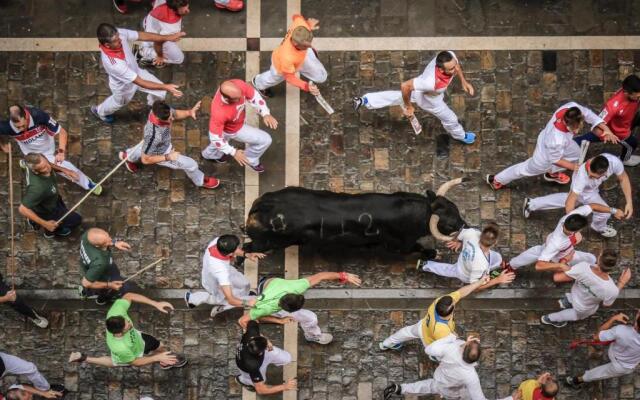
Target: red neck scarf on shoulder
pixel 559 122
pixel 165 14
pixel 215 253
pixel 157 121
pixel 114 53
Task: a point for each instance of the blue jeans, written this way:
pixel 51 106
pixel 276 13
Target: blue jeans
pixel 629 145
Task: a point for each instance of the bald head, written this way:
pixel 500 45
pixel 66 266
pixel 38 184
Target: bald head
pixel 99 237
pixel 230 92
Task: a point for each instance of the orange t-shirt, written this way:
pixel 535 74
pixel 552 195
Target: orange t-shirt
pixel 286 58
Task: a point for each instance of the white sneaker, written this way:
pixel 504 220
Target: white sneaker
pixel 324 338
pixel 632 161
pixel 216 310
pixel 39 321
pixel 609 232
pixel 525 208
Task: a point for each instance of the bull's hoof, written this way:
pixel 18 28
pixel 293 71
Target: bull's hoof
pixel 442 146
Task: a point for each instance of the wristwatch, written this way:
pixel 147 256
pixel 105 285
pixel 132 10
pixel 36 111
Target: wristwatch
pixel 613 211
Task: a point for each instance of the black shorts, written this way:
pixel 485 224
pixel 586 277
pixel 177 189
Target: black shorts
pixel 150 343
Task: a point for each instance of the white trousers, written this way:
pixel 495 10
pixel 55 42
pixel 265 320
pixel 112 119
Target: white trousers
pixel 17 366
pixel 187 164
pixel 431 386
pixel 240 287
pixel 434 105
pixel 277 356
pixel 530 167
pixel 606 371
pixel 83 180
pixel 171 52
pixel 308 321
pixel 311 68
pixel 405 334
pixel 256 143
pixel 456 270
pixel 571 314
pixel 558 200
pixel 121 95
pixel 531 255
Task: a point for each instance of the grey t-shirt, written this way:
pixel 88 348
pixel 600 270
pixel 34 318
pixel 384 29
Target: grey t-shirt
pixel 157 138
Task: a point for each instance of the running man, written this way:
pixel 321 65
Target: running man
pixel 225 287
pixel 427 91
pixel 12 365
pixel 295 54
pixel 624 350
pixel 620 113
pixel 157 148
pixel 592 285
pixel 585 190
pixel 129 346
pixel 11 299
pixel 35 132
pixel 437 323
pixel 555 148
pixel 125 77
pixel 545 387
pixel 281 300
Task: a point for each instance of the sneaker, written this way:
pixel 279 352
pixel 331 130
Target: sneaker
pixel 63 232
pixel 58 387
pixel 182 361
pixel 216 310
pixel 609 231
pixel 120 6
pixel 558 177
pixel 47 234
pixel 394 347
pixel 469 138
pixel 258 168
pixel 545 320
pixel 491 181
pixel 573 382
pixel 525 207
pixel 187 296
pixel 244 385
pixel 82 293
pixel 632 161
pixel 132 167
pixel 232 5
pixel 223 159
pixel 23 164
pixel 357 103
pixel 210 182
pixel 420 265
pixel 108 119
pixel 101 300
pixel 98 188
pixel 39 321
pixel 564 303
pixel 264 92
pixel 390 390
pixel 324 338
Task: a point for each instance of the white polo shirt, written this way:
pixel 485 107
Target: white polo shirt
pixel 583 183
pixel 589 290
pixel 558 244
pixel 122 72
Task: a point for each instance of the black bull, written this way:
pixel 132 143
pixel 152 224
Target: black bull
pixel 397 222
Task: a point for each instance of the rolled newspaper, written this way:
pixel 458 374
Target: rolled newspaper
pixel 415 124
pixel 327 107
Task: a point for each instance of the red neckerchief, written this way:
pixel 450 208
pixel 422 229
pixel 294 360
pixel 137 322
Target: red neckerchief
pixel 166 14
pixel 117 53
pixel 156 121
pixel 537 395
pixel 442 79
pixel 559 122
pixel 215 253
pixel 573 239
pixel 588 166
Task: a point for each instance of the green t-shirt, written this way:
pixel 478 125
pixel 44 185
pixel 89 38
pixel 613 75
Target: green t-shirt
pixel 126 348
pixel 94 261
pixel 268 302
pixel 42 195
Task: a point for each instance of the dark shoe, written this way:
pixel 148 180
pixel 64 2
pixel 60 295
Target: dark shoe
pixel 526 211
pixel 187 296
pixel 48 235
pixel 63 232
pixel 442 146
pixel 263 92
pixel 101 300
pixel 390 390
pixel 182 361
pixel 108 119
pixel 57 387
pixel 545 320
pixel 258 168
pixel 573 382
pixel 564 303
pixel 491 181
pixel 223 159
pixel 357 103
pixel 248 387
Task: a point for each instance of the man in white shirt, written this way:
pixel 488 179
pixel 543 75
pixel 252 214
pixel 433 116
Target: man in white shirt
pixel 225 286
pixel 592 286
pixel 476 258
pixel 164 19
pixel 558 252
pixel 584 190
pixel 555 149
pixel 125 77
pixel 456 376
pixel 427 91
pixel 624 350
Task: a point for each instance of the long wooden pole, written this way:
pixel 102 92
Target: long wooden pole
pixel 144 269
pixel 12 262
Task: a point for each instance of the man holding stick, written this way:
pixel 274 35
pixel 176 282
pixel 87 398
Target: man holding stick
pixel 102 278
pixel 129 346
pixel 42 204
pixel 34 130
pixel 9 297
pixel 157 148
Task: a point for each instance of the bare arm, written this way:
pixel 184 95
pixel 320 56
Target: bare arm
pixel 551 266
pixel 568 165
pixel 625 184
pixel 333 276
pixel 233 300
pixel 113 285
pixel 161 306
pixel 570 203
pixel 406 88
pixel 562 277
pixel 154 37
pixel 28 213
pixel 263 388
pixel 63 138
pixel 467 290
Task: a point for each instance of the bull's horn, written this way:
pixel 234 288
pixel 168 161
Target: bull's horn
pixel 433 228
pixel 442 190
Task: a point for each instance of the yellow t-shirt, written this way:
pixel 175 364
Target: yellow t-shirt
pixel 435 327
pixel 528 387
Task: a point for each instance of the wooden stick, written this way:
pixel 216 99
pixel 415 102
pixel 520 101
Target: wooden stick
pixel 12 263
pixel 120 164
pixel 156 262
